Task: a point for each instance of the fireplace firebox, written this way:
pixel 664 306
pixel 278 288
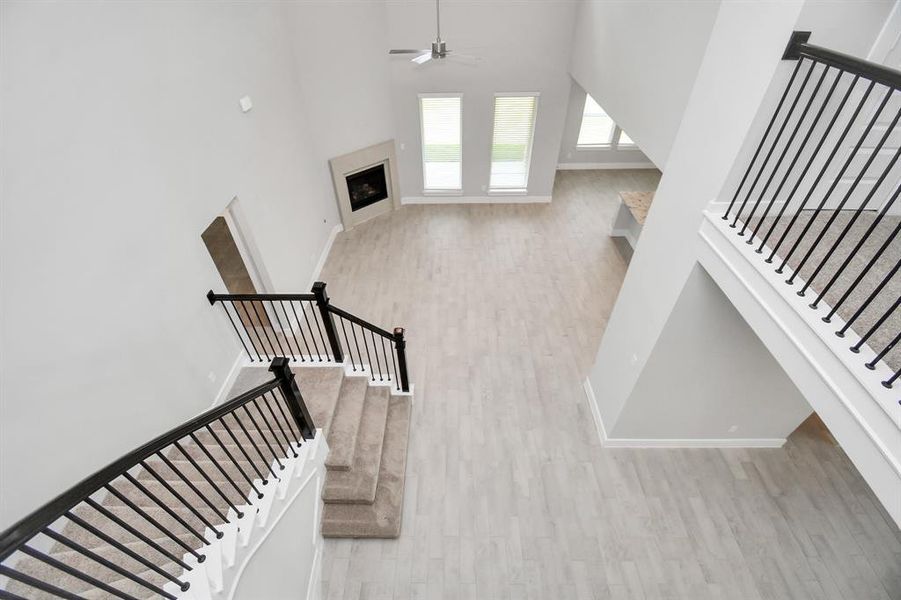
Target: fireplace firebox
pixel 367 187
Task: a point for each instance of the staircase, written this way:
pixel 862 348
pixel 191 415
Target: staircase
pixel 366 425
pixel 191 513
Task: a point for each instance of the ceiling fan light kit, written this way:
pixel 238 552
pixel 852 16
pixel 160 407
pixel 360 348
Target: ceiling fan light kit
pixel 439 47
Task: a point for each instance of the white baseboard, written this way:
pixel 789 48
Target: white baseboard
pixel 323 256
pixel 605 166
pixel 608 442
pixel 498 199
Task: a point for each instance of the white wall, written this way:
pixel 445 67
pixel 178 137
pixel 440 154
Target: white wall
pixel 525 47
pixel 639 59
pixel 122 139
pixel 571 156
pixel 710 377
pixel 740 70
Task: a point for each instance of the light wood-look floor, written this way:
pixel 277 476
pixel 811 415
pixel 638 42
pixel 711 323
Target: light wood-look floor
pixel 509 494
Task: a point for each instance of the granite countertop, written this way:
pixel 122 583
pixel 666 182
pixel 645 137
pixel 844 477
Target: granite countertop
pixel 639 204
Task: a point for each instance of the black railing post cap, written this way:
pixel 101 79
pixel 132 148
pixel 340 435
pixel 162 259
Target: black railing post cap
pixel 278 363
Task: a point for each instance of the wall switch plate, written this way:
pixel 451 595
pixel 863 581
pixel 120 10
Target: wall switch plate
pixel 733 429
pixel 246 103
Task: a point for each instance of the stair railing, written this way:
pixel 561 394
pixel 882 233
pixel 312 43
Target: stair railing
pixel 827 158
pixel 241 444
pixel 309 328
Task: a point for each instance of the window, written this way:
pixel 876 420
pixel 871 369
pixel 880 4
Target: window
pixel 511 145
pixel 442 149
pixel 597 126
pixel 598 130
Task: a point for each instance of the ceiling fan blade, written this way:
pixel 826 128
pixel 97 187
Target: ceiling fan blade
pixel 423 58
pixel 405 51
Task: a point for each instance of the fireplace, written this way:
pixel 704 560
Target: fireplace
pixel 367 187
pixel 365 183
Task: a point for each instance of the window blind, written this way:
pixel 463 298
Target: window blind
pixel 511 147
pixel 442 150
pixel 597 126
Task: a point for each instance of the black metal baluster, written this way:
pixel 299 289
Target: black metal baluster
pixel 137 534
pixel 870 298
pixel 375 350
pixel 262 435
pixel 125 550
pixel 294 335
pixel 319 328
pixel 300 328
pixel 228 430
pixel 851 189
pixel 256 332
pixel 848 226
pixel 109 564
pixel 181 521
pixel 357 344
pixel 283 452
pixel 243 326
pixel 292 426
pixel 37 583
pixel 310 328
pixel 888 382
pixel 835 183
pixel 269 327
pixel 810 161
pixel 853 254
pixel 232 458
pixel 347 345
pixel 394 364
pixel 184 501
pixel 856 347
pixel 282 327
pixel 279 424
pixel 73 572
pixel 207 477
pixel 108 487
pixel 385 355
pixel 791 166
pixel 782 127
pixel 252 443
pixel 212 298
pixel 872 364
pixel 825 167
pixel 368 356
pixel 763 140
pixel 194 488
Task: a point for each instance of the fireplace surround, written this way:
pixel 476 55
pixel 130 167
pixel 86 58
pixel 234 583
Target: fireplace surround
pixel 365 183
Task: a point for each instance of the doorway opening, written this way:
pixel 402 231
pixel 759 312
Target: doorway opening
pixel 229 250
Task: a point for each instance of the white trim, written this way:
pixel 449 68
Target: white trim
pixel 492 199
pixel 608 442
pixel 323 256
pixel 605 166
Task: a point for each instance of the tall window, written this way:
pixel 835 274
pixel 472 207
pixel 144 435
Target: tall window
pixel 598 130
pixel 511 146
pixel 442 149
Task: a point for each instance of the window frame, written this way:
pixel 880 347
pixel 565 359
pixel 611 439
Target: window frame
pixel 511 191
pixel 427 191
pixel 615 142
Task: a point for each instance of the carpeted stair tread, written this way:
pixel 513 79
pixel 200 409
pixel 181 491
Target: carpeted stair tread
pixel 358 485
pixel 342 436
pixel 320 387
pixel 382 518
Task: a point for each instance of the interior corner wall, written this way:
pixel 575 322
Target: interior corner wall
pixel 639 59
pixel 710 377
pixel 571 154
pixel 522 47
pixel 122 139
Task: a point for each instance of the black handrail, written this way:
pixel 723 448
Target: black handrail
pixel 38 522
pixel 309 328
pixel 848 159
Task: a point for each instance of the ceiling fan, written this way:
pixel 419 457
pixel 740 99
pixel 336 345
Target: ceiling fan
pixel 438 50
